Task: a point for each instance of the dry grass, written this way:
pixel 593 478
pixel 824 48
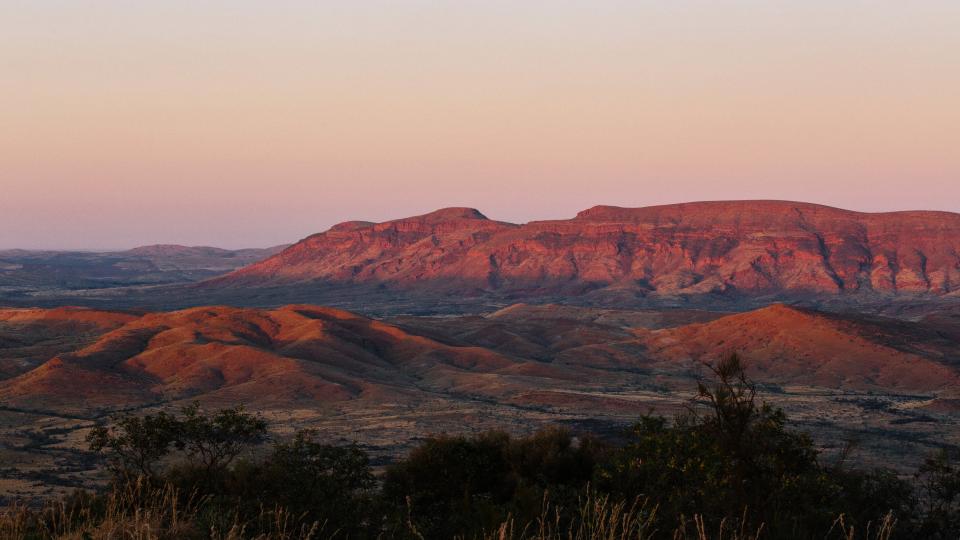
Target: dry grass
pixel 874 531
pixel 139 512
pixel 600 518
pixel 135 512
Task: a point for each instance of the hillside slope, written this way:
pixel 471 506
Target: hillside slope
pixel 730 248
pixel 792 346
pixel 301 355
pixel 268 357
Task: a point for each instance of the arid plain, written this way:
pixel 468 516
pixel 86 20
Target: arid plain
pixel 450 322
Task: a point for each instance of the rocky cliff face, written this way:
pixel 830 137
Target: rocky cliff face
pixel 747 247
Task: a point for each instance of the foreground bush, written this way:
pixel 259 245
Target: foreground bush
pixel 731 459
pixel 727 468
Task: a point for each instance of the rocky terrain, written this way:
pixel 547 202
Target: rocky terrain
pixel 719 256
pixel 744 248
pixel 889 383
pixel 452 322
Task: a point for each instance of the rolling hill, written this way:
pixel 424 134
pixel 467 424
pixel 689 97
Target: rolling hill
pixel 300 354
pixel 265 357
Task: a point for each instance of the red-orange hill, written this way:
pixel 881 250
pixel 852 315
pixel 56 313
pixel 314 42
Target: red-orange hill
pixel 307 354
pixel 65 315
pixel 795 346
pixel 748 246
pixel 31 336
pixel 279 356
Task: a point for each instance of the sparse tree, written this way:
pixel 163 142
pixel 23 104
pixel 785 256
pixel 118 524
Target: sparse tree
pixel 134 445
pixel 215 441
pixel 938 481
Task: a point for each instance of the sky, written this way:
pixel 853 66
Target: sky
pixel 246 124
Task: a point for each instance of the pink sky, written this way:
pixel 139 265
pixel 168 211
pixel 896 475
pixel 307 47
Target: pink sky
pixel 251 124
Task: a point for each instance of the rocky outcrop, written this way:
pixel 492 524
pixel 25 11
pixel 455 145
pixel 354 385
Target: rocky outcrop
pixel 741 247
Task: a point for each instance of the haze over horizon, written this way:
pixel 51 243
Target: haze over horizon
pixel 325 226
pixel 236 124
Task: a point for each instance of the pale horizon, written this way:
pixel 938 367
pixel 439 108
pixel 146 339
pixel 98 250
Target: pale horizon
pixel 238 124
pixel 326 226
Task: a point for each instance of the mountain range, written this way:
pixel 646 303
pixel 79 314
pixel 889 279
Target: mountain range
pixel 736 248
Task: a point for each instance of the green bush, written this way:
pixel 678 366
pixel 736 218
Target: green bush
pixel 451 484
pixel 729 463
pixel 137 446
pixel 938 481
pixel 730 457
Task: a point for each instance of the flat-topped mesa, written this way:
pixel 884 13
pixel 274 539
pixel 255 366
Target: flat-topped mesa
pixel 349 226
pixel 761 213
pixel 349 251
pixel 445 218
pixel 734 210
pixel 450 214
pixel 747 247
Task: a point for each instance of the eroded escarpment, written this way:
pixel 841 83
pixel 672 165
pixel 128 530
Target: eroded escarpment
pixel 747 247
